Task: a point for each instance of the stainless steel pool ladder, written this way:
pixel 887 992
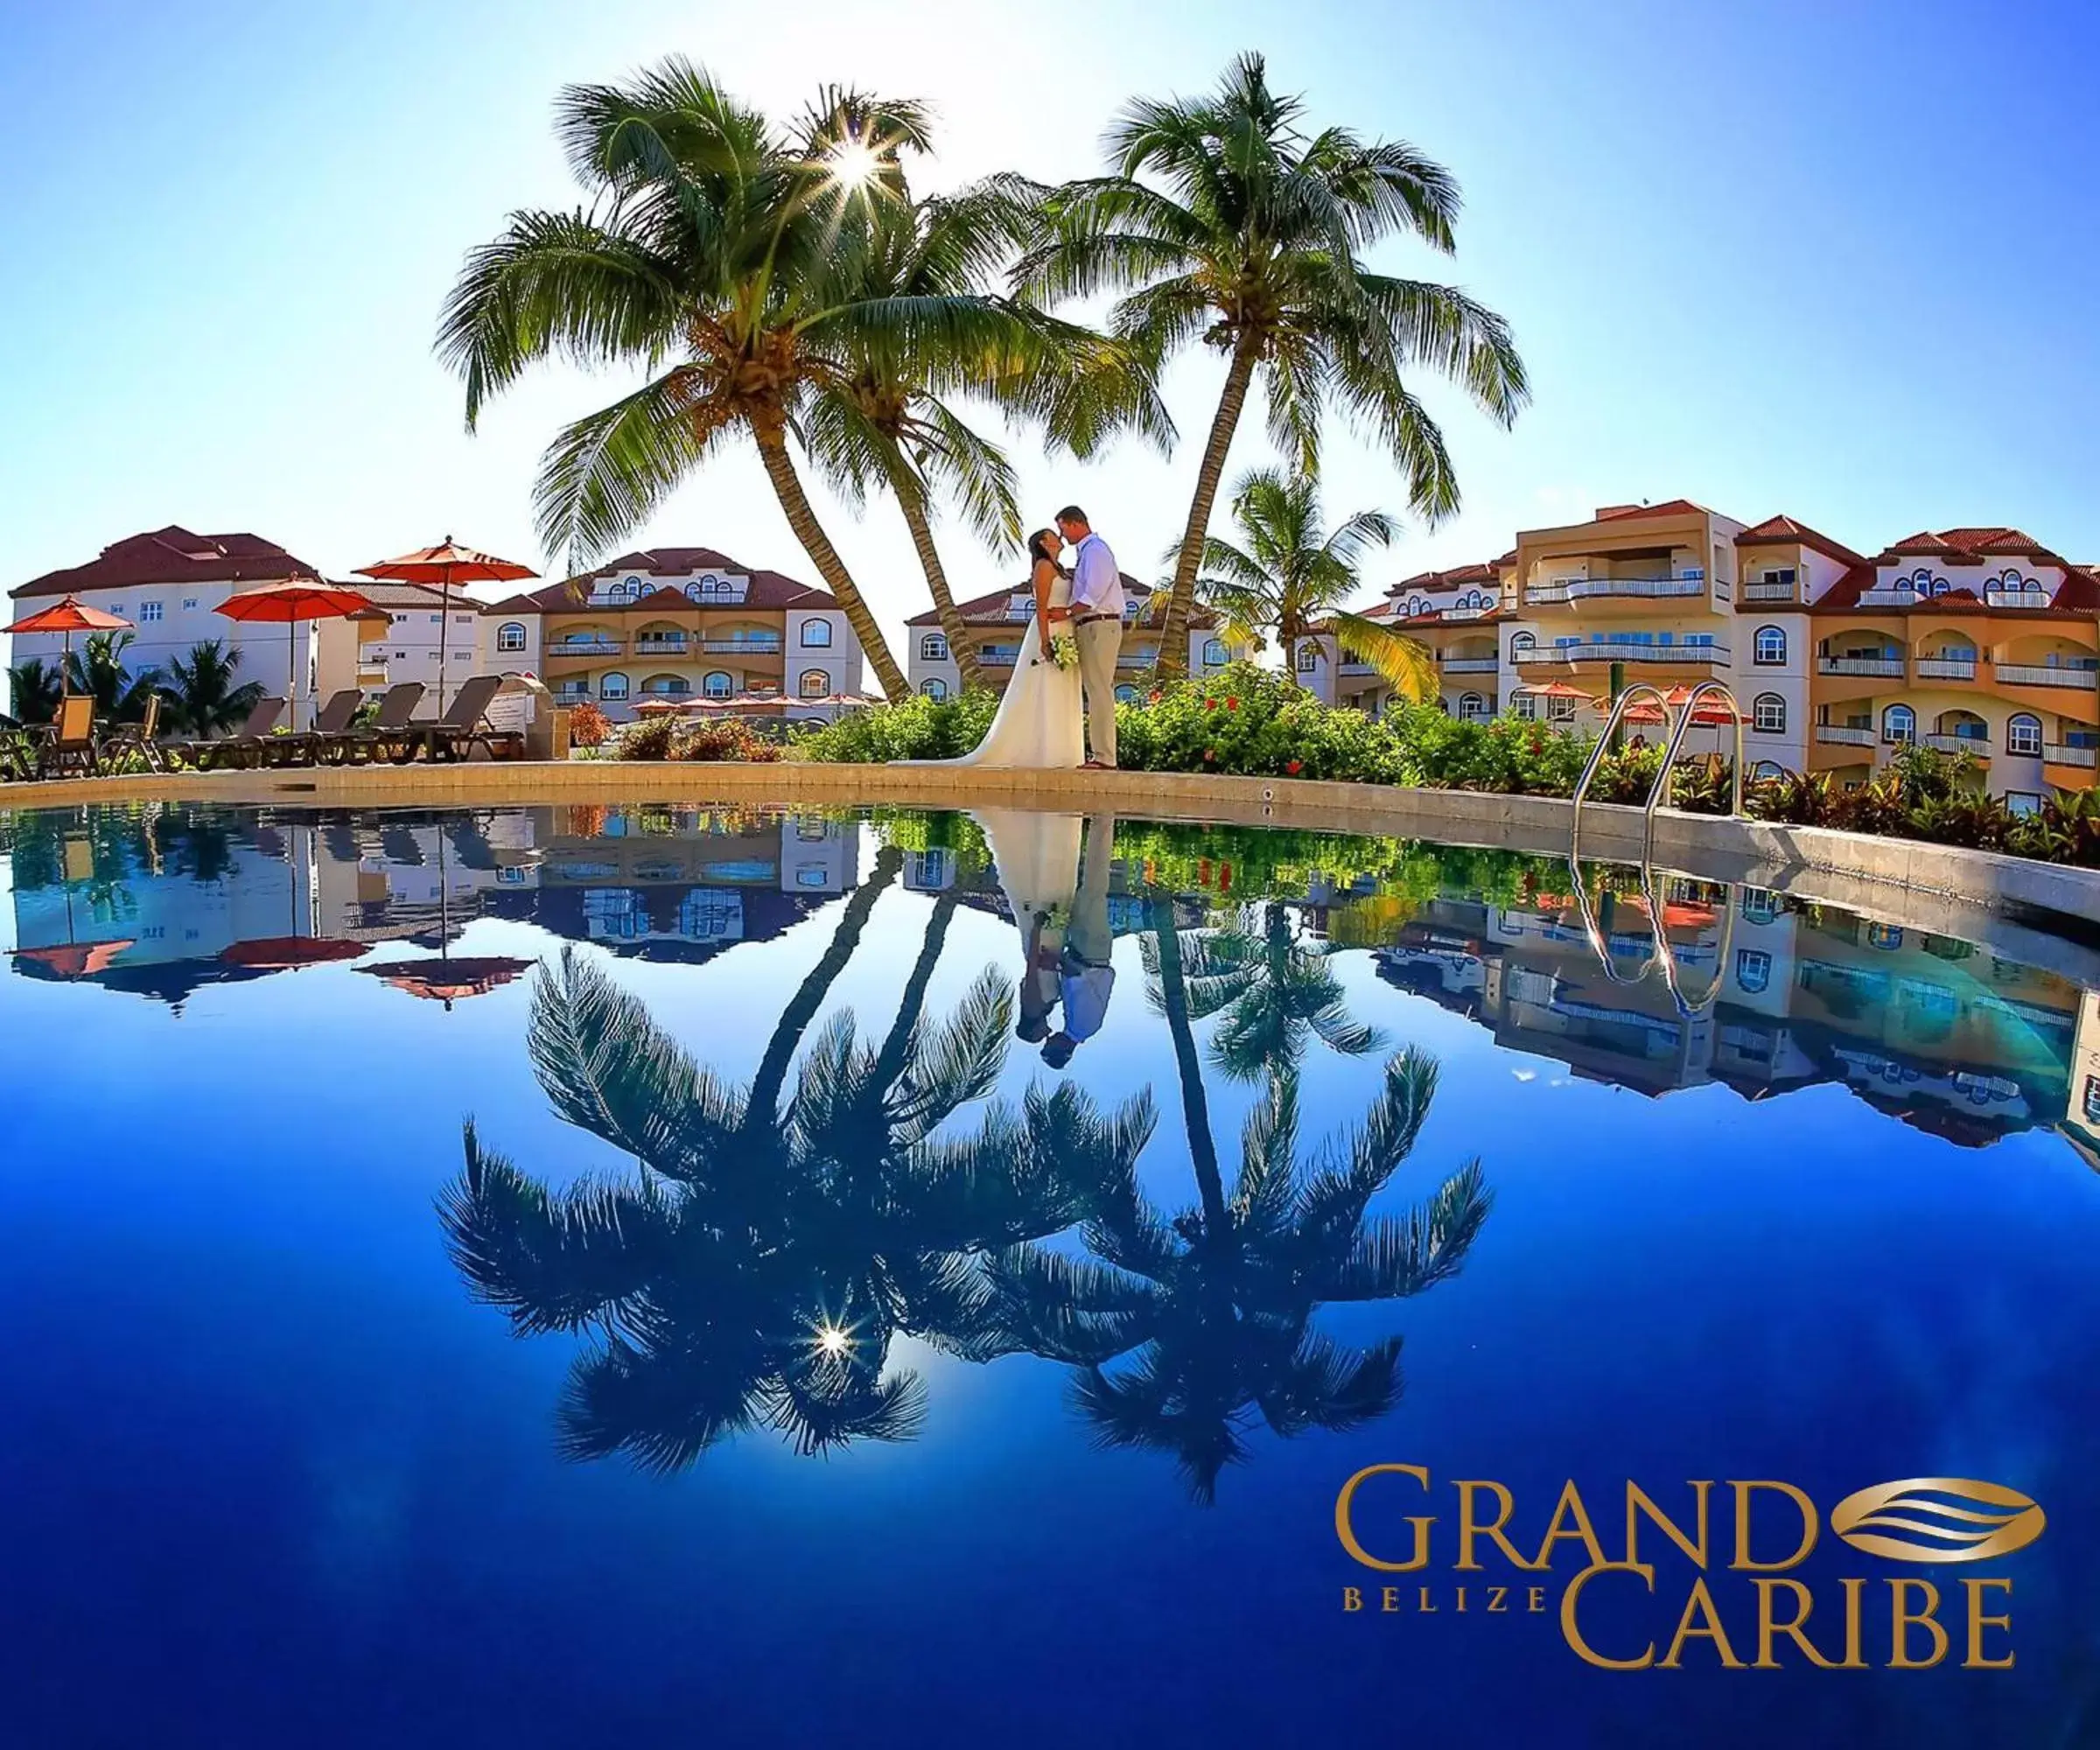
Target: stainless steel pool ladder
pixel 1659 955
pixel 1678 730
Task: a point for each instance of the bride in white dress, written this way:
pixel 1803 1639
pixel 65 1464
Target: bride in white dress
pixel 1038 724
pixel 1037 857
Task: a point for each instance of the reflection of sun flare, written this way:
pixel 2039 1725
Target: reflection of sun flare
pixel 853 163
pixel 832 1340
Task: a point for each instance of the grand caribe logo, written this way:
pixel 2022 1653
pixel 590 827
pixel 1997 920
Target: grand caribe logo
pixel 1744 1607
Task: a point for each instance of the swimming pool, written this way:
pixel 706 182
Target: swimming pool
pixel 1082 1266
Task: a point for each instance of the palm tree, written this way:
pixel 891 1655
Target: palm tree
pixel 1289 574
pixel 890 422
pixel 758 1269
pixel 737 251
pixel 98 669
pixel 1216 1303
pixel 201 695
pixel 1249 237
pixel 33 690
pixel 1275 989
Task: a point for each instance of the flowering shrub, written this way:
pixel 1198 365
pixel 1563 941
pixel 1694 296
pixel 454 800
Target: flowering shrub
pixel 588 725
pixel 919 728
pixel 666 737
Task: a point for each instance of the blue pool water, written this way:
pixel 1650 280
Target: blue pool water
pixel 949 1391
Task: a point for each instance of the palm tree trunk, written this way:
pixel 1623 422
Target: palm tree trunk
pixel 944 602
pixel 889 1062
pixel 801 518
pixel 1174 636
pixel 1195 1106
pixel 764 1103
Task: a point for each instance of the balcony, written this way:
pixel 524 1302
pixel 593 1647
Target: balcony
pixel 1978 744
pixel 1946 669
pixel 1470 612
pixel 1758 590
pixel 1354 665
pixel 1676 654
pixel 999 655
pixel 2018 598
pixel 2062 754
pixel 1844 735
pixel 587 646
pixel 2048 675
pixel 1903 596
pixel 1890 666
pixel 742 644
pixel 1469 665
pixel 1594 589
pixel 659 645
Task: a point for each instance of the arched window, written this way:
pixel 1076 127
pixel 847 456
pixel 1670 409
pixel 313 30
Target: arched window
pixel 632 589
pixel 1522 644
pixel 1768 648
pixel 1308 657
pixel 1752 969
pixel 1214 652
pixel 613 686
pixel 815 683
pixel 510 636
pixel 1769 714
pixel 718 685
pixel 933 687
pixel 1126 694
pixel 1760 904
pixel 1899 723
pixel 933 647
pixel 2023 733
pixel 667 686
pixel 1473 705
pixel 817 634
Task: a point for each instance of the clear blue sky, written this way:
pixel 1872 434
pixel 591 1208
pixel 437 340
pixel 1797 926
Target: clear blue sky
pixel 1838 259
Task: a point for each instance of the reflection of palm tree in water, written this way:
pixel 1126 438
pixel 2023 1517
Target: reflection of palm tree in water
pixel 759 1269
pixel 1216 1303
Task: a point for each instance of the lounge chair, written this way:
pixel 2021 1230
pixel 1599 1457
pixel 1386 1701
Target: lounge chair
pixel 390 734
pixel 136 737
pixel 464 726
pixel 323 740
pixel 246 744
pixel 68 743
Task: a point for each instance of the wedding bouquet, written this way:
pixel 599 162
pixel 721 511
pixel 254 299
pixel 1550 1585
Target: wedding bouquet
pixel 1064 650
pixel 1057 917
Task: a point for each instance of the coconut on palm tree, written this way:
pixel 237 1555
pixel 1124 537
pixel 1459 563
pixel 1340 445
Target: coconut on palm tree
pixel 893 423
pixel 735 253
pixel 202 697
pixel 1290 575
pixel 1224 221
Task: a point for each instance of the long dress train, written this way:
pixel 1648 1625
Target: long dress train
pixel 1038 723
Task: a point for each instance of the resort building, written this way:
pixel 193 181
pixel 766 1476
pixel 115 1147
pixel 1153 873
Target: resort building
pixel 1000 620
pixel 677 623
pixel 167 583
pixel 376 653
pixel 1455 614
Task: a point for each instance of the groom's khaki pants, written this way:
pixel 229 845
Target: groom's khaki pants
pixel 1100 641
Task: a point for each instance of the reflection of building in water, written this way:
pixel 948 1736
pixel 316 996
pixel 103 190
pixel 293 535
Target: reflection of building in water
pixel 1934 1031
pixel 2082 1122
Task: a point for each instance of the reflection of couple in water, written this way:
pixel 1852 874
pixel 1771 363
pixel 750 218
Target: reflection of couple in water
pixel 1060 903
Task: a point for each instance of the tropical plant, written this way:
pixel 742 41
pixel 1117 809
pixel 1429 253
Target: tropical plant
pixel 1290 575
pixel 33 690
pixel 1216 1303
pixel 744 253
pixel 1223 220
pixel 757 1269
pixel 200 694
pixel 890 420
pixel 1273 986
pixel 919 728
pixel 98 669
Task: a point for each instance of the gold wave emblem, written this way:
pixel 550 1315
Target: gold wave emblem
pixel 1938 1519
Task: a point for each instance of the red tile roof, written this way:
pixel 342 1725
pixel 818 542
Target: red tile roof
pixel 1670 506
pixel 1969 546
pixel 768 590
pixel 1456 577
pixel 1785 531
pixel 2078 598
pixel 990 609
pixel 173 555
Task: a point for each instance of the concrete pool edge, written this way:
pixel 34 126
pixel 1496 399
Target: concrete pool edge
pixel 2051 896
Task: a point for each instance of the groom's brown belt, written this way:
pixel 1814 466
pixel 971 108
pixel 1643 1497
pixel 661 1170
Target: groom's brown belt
pixel 1089 618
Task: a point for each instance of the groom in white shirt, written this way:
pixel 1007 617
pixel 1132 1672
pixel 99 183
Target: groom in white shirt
pixel 1097 629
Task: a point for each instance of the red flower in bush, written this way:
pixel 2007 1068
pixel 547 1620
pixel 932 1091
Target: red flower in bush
pixel 1538 742
pixel 1294 766
pixel 1210 704
pixel 1210 753
pixel 1153 697
pixel 1232 705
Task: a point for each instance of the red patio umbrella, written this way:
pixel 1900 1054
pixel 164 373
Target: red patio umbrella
pixel 69 614
pixel 288 603
pixel 449 981
pixel 1713 709
pixel 287 953
pixel 445 564
pixel 75 960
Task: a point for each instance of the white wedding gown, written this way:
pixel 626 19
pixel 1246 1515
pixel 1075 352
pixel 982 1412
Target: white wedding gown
pixel 1037 858
pixel 1038 724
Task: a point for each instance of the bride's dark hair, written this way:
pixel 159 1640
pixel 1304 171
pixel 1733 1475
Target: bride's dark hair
pixel 1037 551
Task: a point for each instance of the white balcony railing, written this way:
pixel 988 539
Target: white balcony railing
pixel 1758 590
pixel 1978 744
pixel 1468 613
pixel 2018 598
pixel 2062 754
pixel 1902 597
pixel 1469 665
pixel 1590 589
pixel 587 646
pixel 1890 665
pixel 2048 675
pixel 1946 669
pixel 1679 654
pixel 1844 735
